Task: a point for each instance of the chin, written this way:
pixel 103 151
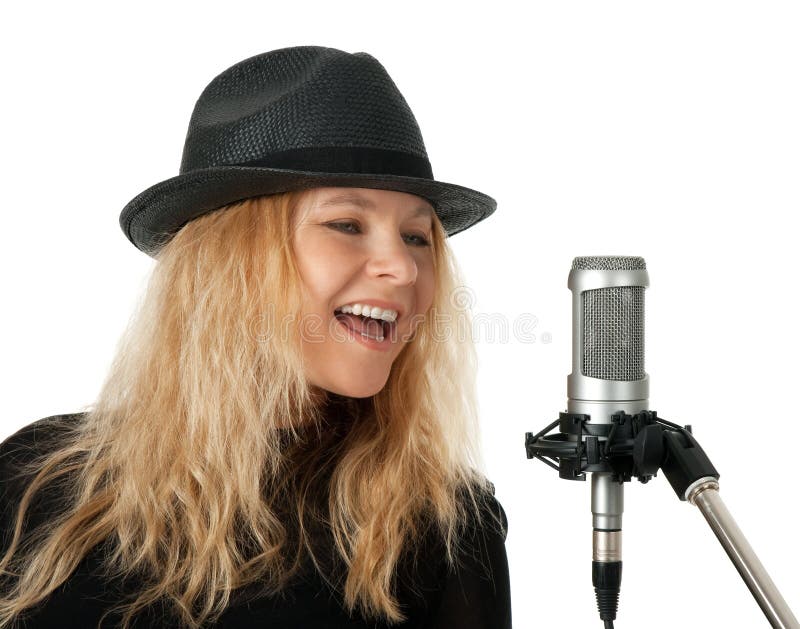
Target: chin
pixel 359 392
pixel 356 389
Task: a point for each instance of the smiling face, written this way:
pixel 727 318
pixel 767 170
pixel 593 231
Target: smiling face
pixel 357 245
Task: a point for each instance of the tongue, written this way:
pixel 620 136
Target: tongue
pixel 367 325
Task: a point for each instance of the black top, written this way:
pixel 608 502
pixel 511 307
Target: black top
pixel 475 596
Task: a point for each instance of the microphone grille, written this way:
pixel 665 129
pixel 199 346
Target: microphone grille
pixel 613 322
pixel 608 263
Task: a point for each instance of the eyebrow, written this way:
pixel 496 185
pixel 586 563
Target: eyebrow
pixel 344 199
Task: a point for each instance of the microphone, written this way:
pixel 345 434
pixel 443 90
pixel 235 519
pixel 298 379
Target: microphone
pixel 608 432
pixel 607 376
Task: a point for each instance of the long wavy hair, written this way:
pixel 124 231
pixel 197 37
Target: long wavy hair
pixel 196 468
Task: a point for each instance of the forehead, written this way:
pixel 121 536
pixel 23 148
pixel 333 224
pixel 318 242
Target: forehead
pixel 370 199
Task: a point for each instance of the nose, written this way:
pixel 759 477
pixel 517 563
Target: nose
pixel 391 258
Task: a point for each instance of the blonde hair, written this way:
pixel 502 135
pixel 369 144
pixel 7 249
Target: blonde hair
pixel 184 450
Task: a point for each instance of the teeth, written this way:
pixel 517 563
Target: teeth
pixel 369 311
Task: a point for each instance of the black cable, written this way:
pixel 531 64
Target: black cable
pixel 608 624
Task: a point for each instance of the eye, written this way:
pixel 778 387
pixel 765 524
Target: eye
pixel 421 240
pixel 338 226
pixel 342 225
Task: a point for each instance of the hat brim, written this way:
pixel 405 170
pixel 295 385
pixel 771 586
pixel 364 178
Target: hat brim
pixel 154 215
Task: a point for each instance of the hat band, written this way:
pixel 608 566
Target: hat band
pixel 347 159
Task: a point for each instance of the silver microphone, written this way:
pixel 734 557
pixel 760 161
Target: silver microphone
pixel 609 432
pixel 607 376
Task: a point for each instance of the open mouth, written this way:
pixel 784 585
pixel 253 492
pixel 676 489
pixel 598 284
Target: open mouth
pixel 367 326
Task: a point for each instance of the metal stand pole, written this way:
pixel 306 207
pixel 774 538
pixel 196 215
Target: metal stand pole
pixel 704 493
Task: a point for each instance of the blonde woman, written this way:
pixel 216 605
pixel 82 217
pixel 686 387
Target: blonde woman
pixel 287 436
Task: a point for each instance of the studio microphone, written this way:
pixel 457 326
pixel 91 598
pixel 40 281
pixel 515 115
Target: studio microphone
pixel 607 376
pixel 608 431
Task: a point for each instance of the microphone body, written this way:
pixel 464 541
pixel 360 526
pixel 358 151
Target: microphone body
pixel 607 377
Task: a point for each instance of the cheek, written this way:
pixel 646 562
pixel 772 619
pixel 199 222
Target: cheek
pixel 426 287
pixel 323 268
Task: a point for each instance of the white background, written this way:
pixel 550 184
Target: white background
pixel 666 130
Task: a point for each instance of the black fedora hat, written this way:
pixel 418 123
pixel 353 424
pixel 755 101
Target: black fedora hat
pixel 290 119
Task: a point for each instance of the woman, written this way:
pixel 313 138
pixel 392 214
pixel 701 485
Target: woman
pixel 287 435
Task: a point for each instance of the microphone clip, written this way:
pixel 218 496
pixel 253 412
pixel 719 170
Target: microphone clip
pixel 629 446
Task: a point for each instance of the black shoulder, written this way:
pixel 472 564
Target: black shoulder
pixel 22 448
pixel 477 594
pixel 34 439
pixel 483 537
pixel 490 517
pixel 498 514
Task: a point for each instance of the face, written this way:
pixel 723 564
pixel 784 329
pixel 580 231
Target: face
pixel 359 245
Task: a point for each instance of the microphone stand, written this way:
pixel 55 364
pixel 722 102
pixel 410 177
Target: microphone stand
pixel 639 445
